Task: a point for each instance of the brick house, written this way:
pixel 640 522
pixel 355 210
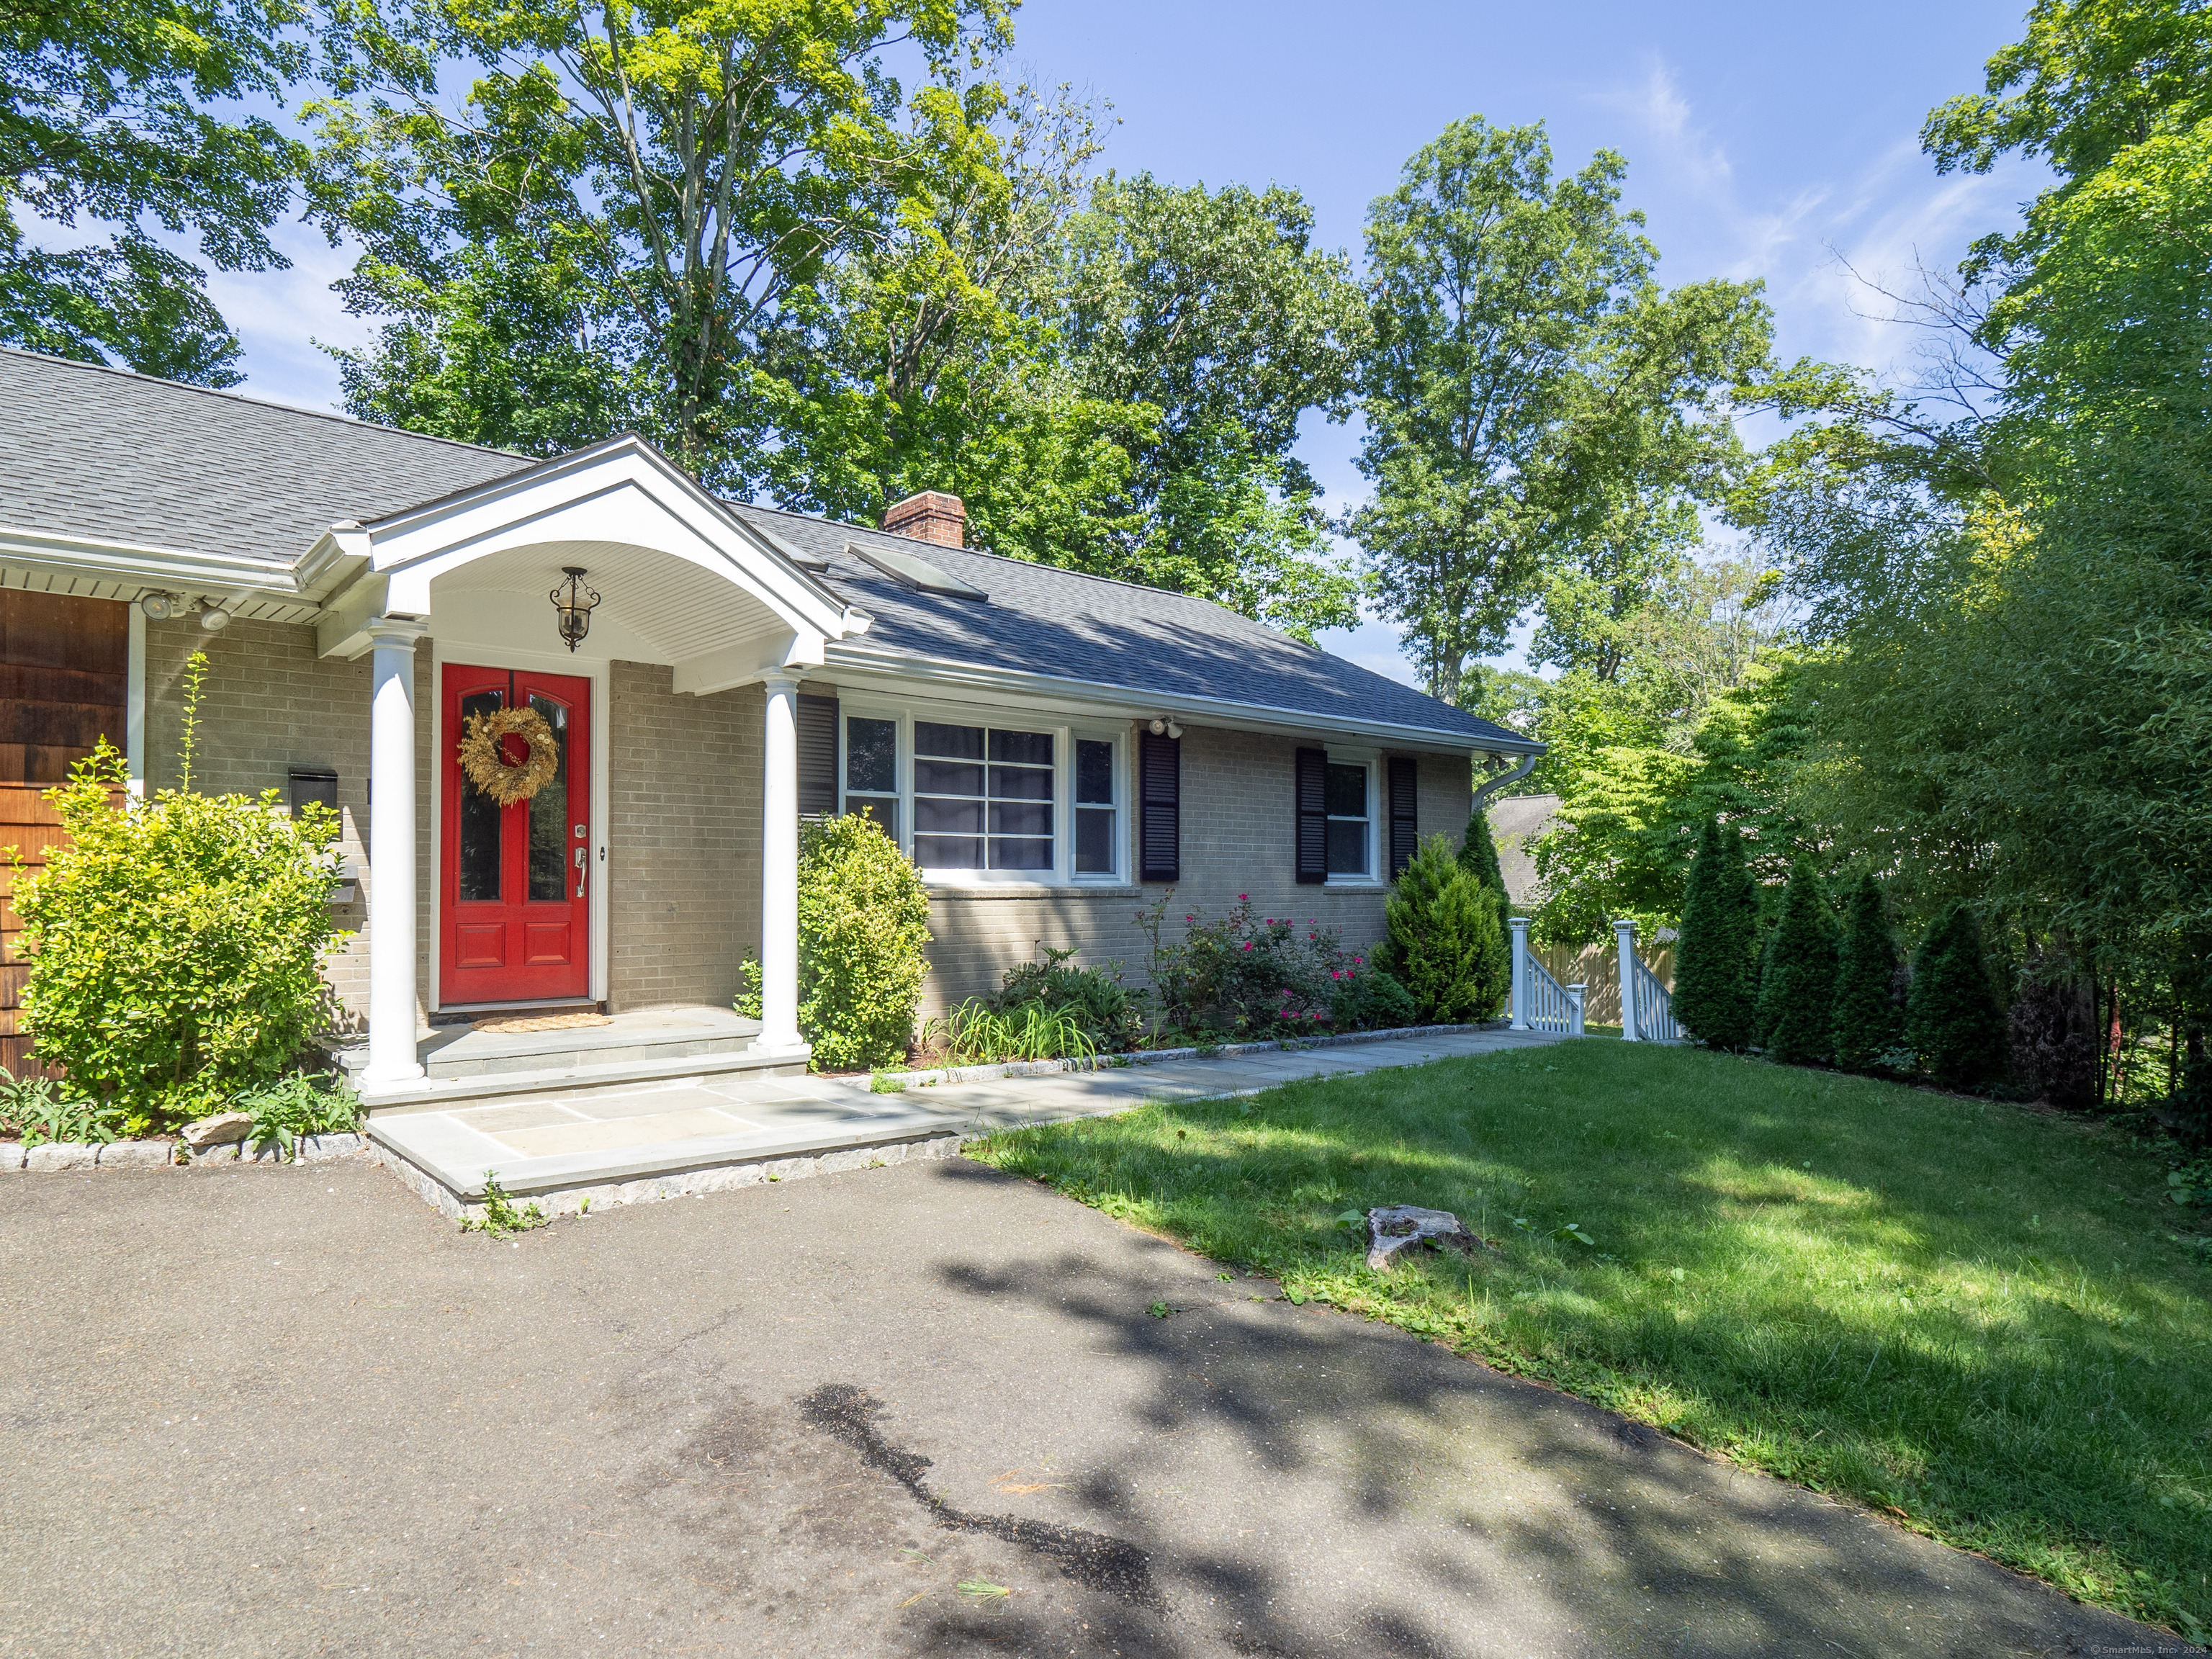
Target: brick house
pixel 1053 749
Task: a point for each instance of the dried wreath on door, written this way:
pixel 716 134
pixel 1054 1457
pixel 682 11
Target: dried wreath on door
pixel 509 754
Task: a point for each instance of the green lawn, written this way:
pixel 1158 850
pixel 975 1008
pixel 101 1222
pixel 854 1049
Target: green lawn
pixel 1971 1313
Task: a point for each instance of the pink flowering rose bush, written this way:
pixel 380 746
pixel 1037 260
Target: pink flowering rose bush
pixel 1242 977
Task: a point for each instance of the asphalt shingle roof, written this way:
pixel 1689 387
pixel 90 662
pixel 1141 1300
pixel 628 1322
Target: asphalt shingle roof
pixel 112 456
pixel 108 455
pixel 1040 620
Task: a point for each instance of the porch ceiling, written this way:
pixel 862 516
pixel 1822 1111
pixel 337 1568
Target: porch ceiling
pixel 677 609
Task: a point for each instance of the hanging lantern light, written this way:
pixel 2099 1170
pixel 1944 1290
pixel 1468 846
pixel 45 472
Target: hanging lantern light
pixel 572 608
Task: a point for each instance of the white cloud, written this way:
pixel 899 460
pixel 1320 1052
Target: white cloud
pixel 280 315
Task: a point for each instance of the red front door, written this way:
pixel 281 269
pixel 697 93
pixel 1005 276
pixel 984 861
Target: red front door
pixel 514 881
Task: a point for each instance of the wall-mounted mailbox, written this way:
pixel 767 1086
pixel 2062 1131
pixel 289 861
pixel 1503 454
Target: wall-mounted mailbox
pixel 307 783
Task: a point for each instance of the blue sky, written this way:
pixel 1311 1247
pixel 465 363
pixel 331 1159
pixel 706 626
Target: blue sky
pixel 1775 141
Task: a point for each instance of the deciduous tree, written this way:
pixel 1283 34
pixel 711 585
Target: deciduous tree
pixel 124 115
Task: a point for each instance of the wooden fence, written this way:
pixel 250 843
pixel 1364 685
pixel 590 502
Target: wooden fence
pixel 1598 967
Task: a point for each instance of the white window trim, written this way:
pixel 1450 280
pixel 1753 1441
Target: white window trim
pixel 1065 730
pixel 1370 760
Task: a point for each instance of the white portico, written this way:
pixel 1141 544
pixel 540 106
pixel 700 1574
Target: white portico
pixel 473 903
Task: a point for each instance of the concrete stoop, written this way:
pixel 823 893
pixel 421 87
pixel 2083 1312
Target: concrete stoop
pixel 578 1196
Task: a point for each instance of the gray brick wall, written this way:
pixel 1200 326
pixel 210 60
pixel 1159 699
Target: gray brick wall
pixel 1237 838
pixel 683 840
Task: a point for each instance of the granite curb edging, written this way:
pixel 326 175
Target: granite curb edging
pixel 710 1177
pixel 57 1154
pixel 991 1073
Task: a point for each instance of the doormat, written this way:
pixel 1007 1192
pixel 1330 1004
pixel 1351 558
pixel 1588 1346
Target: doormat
pixel 550 1023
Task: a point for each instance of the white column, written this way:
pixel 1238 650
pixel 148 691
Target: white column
pixel 391 895
pixel 1625 933
pixel 1575 994
pixel 1520 927
pixel 778 1032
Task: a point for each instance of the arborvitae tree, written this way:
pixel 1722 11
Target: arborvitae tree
pixel 1868 1025
pixel 1477 856
pixel 1446 944
pixel 1715 996
pixel 1770 989
pixel 1952 1020
pixel 1478 852
pixel 1801 1016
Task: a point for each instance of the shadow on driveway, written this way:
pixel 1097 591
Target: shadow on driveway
pixel 919 1410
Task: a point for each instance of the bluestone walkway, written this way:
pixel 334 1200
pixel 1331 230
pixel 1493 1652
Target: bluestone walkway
pixel 585 1141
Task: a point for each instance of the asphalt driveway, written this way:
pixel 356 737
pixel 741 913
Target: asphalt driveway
pixel 259 1411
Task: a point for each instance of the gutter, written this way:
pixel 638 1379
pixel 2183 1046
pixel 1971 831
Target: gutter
pixel 1126 701
pixel 1527 766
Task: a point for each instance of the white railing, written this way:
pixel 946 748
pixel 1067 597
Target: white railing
pixel 1647 1007
pixel 1541 1003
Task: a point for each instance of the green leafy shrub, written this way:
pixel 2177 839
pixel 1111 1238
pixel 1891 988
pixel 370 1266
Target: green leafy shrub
pixel 1952 1020
pixel 1241 977
pixel 1715 997
pixel 975 1032
pixel 299 1105
pixel 176 943
pixel 1366 998
pixel 863 935
pixel 1446 947
pixel 1477 856
pixel 1868 1023
pixel 1110 1014
pixel 1800 991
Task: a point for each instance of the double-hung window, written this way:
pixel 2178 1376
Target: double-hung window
pixel 1351 821
pixel 872 785
pixel 982 798
pixel 1097 819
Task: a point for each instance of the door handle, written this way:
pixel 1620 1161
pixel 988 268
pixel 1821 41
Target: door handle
pixel 583 868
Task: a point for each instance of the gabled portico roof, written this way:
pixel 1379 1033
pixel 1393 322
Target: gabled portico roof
pixel 700 589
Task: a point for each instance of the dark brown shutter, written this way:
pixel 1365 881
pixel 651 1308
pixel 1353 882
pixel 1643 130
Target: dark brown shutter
pixel 818 756
pixel 1313 815
pixel 1159 795
pixel 1405 819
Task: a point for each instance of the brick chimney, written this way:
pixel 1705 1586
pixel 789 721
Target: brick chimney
pixel 929 517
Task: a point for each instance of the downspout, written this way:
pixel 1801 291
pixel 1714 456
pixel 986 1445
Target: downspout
pixel 1527 766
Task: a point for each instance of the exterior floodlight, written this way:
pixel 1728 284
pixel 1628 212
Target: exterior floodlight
pixel 215 619
pixel 1159 728
pixel 159 607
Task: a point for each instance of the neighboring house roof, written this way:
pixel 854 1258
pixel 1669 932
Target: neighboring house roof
pixel 1038 619
pixel 116 457
pixel 1515 823
pixel 99 455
